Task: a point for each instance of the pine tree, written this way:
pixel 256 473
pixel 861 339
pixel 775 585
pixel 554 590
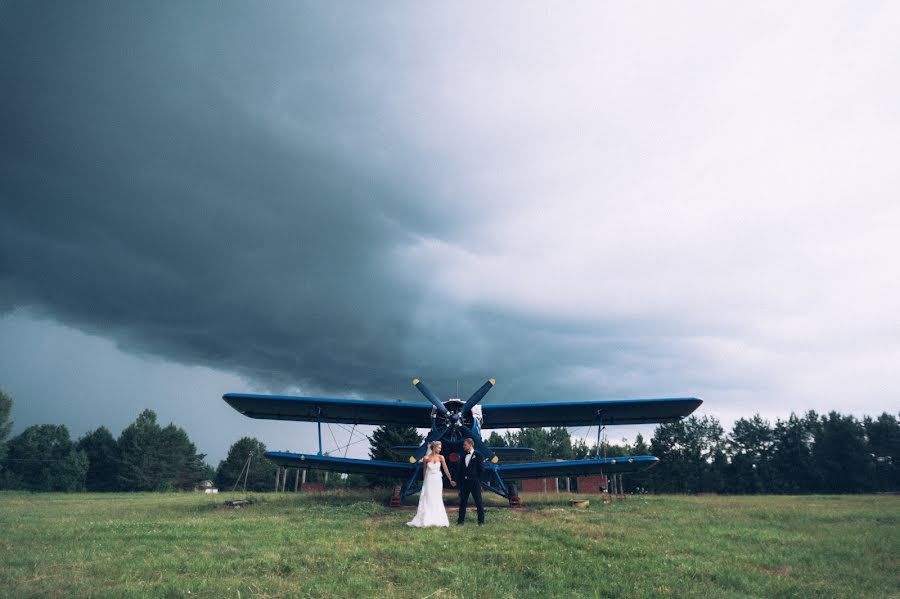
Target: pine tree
pixel 262 472
pixel 841 456
pixel 103 460
pixel 153 458
pixel 43 458
pixel 750 448
pixel 670 475
pixel 581 450
pixel 638 482
pixel 692 456
pixel 793 469
pixel 883 434
pixel 496 440
pixel 640 446
pixel 6 403
pixel 381 443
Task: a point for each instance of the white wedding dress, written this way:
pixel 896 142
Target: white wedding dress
pixel 431 510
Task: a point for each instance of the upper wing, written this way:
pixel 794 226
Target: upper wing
pixel 577 467
pixel 584 413
pixel 349 411
pixel 346 465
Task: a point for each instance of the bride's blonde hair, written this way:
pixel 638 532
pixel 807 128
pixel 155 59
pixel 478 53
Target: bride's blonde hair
pixel 433 443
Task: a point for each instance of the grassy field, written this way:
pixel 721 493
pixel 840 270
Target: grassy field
pixel 351 545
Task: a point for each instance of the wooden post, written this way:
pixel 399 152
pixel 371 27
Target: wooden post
pixel 296 480
pixel 238 481
pixel 277 477
pixel 303 480
pixel 246 476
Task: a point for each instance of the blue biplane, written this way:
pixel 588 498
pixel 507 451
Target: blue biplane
pixel 453 420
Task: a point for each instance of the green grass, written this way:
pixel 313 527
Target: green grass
pixel 351 545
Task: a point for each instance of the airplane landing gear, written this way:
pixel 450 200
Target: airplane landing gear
pixel 395 497
pixel 514 500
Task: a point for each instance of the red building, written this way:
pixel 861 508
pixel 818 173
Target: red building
pixel 593 483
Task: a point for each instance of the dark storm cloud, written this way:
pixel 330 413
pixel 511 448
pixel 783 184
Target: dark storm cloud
pixel 141 200
pixel 203 189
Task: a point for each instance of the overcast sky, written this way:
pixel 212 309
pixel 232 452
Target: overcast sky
pixel 587 201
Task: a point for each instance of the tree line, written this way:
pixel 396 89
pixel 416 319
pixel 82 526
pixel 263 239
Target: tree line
pixel 810 453
pixel 146 456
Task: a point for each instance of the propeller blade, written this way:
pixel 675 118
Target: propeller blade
pixel 479 444
pixel 430 396
pixel 434 435
pixel 476 397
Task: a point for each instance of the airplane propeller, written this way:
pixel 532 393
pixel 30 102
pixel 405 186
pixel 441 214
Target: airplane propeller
pixel 431 397
pixel 435 435
pixel 479 444
pixel 454 420
pixel 477 396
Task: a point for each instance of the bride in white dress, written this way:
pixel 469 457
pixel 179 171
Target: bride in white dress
pixel 431 510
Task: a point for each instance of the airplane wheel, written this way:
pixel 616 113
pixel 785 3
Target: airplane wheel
pixel 514 500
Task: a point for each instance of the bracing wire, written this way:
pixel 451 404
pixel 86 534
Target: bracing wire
pixel 333 438
pixel 346 447
pixel 350 442
pixel 358 432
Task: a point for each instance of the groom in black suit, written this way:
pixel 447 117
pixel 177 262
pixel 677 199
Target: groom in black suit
pixel 469 473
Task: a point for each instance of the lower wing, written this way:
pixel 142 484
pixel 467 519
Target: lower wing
pixel 343 465
pixel 577 467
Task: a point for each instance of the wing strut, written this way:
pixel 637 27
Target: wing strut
pixel 319 424
pixel 412 479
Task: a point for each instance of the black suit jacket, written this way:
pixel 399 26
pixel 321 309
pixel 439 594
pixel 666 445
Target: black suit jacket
pixel 475 469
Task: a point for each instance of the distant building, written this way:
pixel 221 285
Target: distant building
pixel 206 486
